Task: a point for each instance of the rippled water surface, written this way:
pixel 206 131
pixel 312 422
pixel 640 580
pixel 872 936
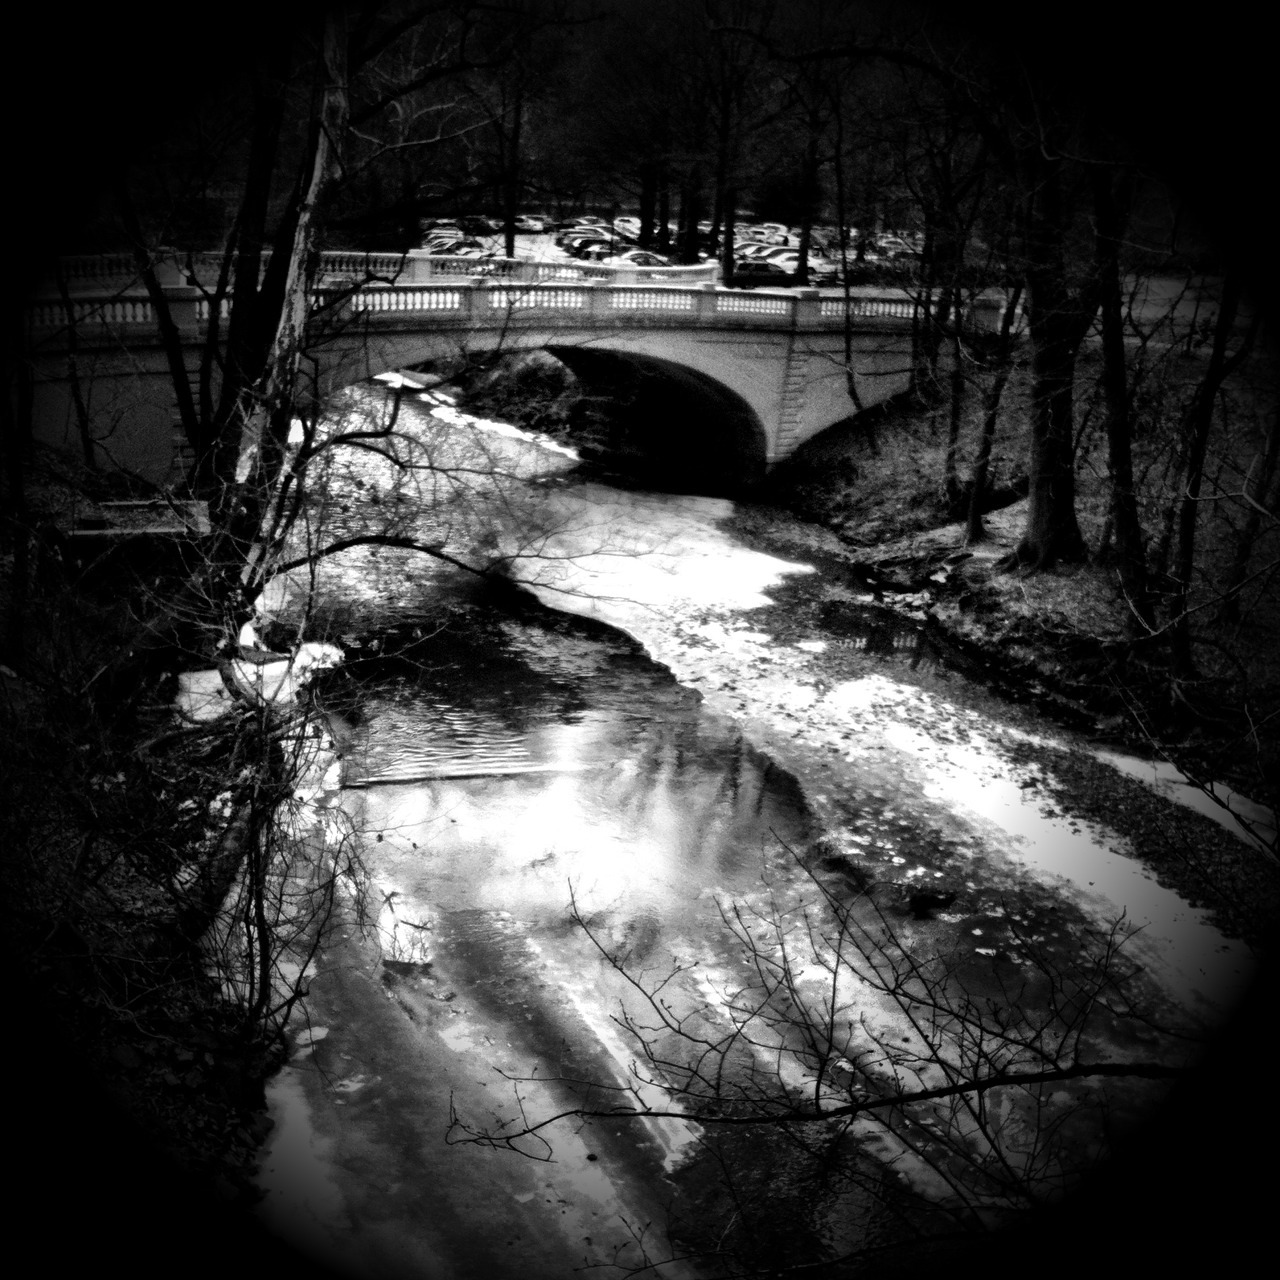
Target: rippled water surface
pixel 506 759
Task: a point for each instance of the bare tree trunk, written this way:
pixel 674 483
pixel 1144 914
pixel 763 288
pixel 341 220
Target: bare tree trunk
pixel 690 214
pixel 974 530
pixel 1125 526
pixel 842 218
pixel 1057 322
pixel 809 179
pixel 267 422
pixel 1052 532
pixel 956 378
pixel 83 428
pixel 1256 484
pixel 15 441
pixel 511 170
pixel 648 202
pixel 1197 425
pixel 727 243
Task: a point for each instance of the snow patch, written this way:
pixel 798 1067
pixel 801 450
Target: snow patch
pixel 1253 823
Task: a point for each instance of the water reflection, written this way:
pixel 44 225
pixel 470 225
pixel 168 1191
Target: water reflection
pixel 502 760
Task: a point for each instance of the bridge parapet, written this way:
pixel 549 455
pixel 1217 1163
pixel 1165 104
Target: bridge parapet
pixel 104 294
pixel 481 300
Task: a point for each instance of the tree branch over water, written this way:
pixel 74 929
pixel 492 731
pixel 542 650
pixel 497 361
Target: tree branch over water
pixel 835 1022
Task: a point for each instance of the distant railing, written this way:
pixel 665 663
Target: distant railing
pixel 111 309
pixel 173 268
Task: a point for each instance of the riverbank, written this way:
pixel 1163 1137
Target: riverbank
pixel 859 699
pixel 873 729
pixel 971 661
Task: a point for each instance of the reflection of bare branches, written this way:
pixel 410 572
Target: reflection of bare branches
pixel 982 1094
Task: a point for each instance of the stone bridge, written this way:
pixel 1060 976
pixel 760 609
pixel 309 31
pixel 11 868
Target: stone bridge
pixel 728 382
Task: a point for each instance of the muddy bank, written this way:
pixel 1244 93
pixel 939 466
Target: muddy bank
pixel 855 609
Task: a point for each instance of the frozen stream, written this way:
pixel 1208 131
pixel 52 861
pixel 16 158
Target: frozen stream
pixel 509 760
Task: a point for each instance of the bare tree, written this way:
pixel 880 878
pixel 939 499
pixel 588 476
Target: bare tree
pixel 837 1033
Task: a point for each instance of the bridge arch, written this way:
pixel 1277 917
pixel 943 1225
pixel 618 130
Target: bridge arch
pixel 675 425
pixel 728 383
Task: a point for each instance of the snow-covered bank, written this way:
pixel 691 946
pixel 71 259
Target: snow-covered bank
pixel 1255 824
pixel 685 589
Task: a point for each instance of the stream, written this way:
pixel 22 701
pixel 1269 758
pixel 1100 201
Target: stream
pixel 564 796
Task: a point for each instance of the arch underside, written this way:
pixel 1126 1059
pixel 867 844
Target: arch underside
pixel 670 425
pixel 707 411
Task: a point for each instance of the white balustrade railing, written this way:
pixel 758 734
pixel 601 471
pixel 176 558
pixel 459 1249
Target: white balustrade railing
pixel 388 266
pixel 114 311
pixel 750 303
pixel 78 269
pixel 409 298
pixel 889 308
pixel 628 298
pixel 493 291
pixel 204 308
pixel 354 266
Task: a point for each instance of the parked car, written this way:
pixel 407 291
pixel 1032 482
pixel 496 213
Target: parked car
pixel 455 246
pixel 579 246
pixel 531 223
pixel 568 226
pixel 598 229
pixel 758 275
pixel 892 247
pixel 821 271
pixel 479 226
pixel 636 258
